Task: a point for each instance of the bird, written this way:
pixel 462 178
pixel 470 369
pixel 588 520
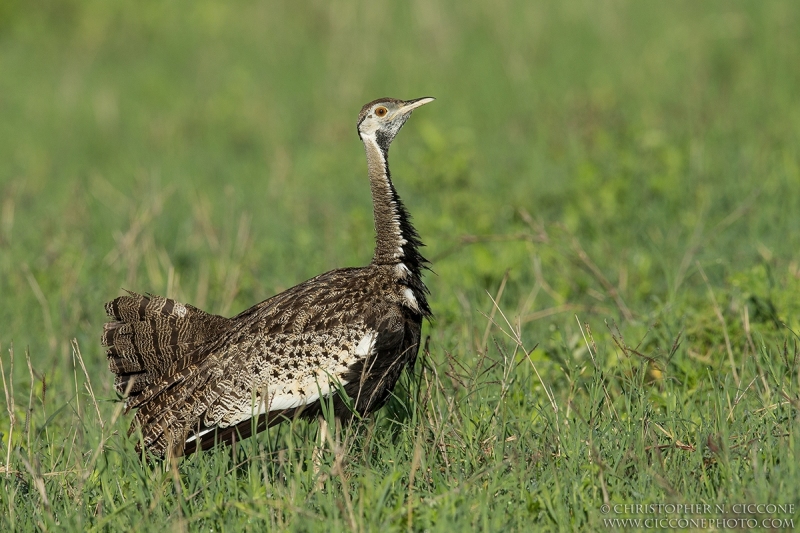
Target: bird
pixel 196 380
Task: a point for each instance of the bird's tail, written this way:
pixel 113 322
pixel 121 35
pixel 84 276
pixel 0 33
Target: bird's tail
pixel 148 333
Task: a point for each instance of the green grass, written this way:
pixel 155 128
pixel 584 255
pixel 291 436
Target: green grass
pixel 620 178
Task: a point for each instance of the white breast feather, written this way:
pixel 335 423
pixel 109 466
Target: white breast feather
pixel 411 300
pixel 401 270
pixel 365 345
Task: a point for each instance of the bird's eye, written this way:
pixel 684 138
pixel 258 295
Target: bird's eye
pixel 381 111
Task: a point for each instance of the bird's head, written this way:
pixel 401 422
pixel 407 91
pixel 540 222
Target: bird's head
pixel 381 119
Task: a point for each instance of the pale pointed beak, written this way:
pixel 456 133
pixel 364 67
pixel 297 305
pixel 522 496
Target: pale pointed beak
pixel 412 105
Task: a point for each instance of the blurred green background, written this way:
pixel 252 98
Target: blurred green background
pixel 208 149
pixel 592 158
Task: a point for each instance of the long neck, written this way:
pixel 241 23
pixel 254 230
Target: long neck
pixel 396 240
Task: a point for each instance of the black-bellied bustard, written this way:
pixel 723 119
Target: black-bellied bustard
pixel 199 379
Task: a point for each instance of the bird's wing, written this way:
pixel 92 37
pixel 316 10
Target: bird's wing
pixel 256 376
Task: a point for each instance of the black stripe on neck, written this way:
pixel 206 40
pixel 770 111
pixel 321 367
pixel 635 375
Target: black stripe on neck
pixel 383 142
